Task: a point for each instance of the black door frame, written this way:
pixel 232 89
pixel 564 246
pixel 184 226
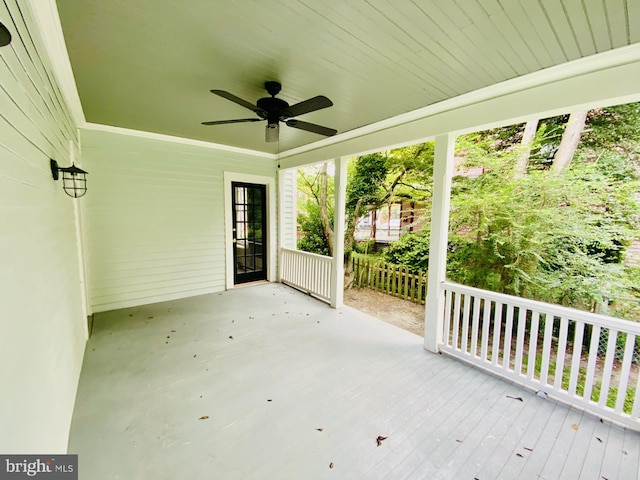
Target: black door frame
pixel 250 244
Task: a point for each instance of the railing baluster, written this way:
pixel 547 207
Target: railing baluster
pixel 522 323
pixel 624 372
pixel 475 326
pixel 608 367
pixel 576 357
pixel 447 317
pixel 456 320
pixel 546 348
pixel 562 347
pixel 591 365
pixel 532 358
pixel 486 323
pixel 508 337
pixel 465 323
pixel 497 326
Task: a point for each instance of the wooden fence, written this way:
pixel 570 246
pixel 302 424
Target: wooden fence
pixel 391 279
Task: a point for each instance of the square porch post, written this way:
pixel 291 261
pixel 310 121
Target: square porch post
pixel 434 304
pixel 340 196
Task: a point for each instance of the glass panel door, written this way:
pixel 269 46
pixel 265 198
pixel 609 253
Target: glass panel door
pixel 249 232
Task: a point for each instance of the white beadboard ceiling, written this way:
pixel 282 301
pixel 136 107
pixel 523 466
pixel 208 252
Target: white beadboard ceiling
pixel 149 64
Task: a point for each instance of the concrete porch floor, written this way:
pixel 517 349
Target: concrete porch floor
pixel 264 382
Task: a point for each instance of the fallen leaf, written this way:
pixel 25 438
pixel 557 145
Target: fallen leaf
pixel 204 417
pixel 150 317
pixel 173 331
pixel 459 441
pixel 319 429
pixel 625 452
pixel 231 337
pixel 269 400
pixel 194 356
pixel 575 426
pixel 527 448
pixel 599 439
pixel 515 398
pixel 168 336
pixel 601 421
pixel 519 455
pixel 331 465
pixel 380 439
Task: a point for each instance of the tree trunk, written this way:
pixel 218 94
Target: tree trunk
pixel 324 209
pixel 527 138
pixel 569 142
pixel 349 240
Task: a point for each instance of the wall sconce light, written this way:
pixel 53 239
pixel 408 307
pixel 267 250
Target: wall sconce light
pixel 74 180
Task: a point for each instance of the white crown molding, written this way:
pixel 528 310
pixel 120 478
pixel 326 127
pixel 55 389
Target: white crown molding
pixel 173 139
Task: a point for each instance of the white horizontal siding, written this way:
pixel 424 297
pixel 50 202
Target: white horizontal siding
pixel 288 209
pixel 42 322
pixel 155 217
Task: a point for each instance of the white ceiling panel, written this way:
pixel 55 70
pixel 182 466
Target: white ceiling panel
pixel 149 64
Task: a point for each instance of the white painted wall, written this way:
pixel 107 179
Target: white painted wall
pixel 155 217
pixel 287 207
pixel 42 323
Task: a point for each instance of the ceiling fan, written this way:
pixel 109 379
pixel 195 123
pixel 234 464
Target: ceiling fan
pixel 275 110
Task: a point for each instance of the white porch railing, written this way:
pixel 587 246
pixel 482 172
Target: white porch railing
pixel 308 272
pixel 582 358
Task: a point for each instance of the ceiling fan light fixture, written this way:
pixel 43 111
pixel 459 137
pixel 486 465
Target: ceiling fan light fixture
pixel 272 132
pixel 275 110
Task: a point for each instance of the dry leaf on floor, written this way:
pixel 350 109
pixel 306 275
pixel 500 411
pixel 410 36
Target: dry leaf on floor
pixel 599 439
pixel 204 417
pixel 575 426
pixel 380 439
pixel 319 429
pixel 331 465
pixel 527 448
pixel 269 400
pixel 519 455
pixel 231 337
pixel 515 398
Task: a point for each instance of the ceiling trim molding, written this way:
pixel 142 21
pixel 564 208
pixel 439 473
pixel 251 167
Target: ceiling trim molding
pixel 173 139
pixel 45 14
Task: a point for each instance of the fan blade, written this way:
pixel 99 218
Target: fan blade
pixel 312 127
pixel 239 101
pixel 311 105
pixel 239 120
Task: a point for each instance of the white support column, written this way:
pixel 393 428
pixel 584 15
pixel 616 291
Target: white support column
pixel 281 218
pixel 337 273
pixel 434 308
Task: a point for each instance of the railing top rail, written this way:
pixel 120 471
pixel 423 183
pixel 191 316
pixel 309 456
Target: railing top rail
pixel 322 258
pixel 549 308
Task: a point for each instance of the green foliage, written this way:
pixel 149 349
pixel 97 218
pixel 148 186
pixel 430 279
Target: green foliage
pixel 366 176
pixel 313 239
pixel 412 251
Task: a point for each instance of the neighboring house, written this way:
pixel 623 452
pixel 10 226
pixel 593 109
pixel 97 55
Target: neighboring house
pixel 164 191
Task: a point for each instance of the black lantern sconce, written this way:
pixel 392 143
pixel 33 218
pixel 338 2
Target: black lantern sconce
pixel 74 180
